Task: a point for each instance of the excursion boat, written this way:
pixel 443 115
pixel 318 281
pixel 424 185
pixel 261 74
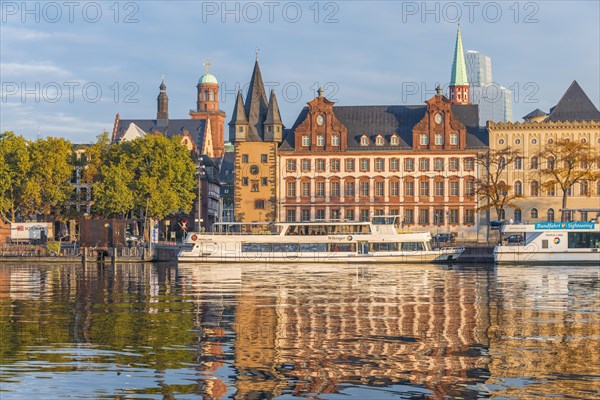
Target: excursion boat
pixel 375 241
pixel 550 243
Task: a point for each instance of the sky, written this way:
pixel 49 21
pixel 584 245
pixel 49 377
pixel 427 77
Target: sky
pixel 68 67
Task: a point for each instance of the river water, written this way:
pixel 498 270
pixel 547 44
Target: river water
pixel 145 331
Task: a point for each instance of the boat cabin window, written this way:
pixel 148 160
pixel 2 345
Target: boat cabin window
pixel 584 240
pixel 412 246
pixel 246 229
pixel 388 246
pixel 323 230
pixel 385 220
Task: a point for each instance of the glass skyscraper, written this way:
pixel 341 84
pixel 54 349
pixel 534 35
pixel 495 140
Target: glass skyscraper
pixel 494 100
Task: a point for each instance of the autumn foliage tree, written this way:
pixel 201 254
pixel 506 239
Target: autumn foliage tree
pixel 566 163
pixel 492 189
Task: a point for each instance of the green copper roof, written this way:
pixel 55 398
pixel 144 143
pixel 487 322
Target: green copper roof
pixel 459 68
pixel 208 78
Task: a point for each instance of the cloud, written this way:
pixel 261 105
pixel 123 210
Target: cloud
pixel 19 69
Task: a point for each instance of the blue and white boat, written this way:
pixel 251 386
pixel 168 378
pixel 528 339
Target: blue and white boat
pixel 550 243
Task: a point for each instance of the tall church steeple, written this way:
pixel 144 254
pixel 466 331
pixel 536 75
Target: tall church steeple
pixel 256 104
pixel 459 83
pixel 162 111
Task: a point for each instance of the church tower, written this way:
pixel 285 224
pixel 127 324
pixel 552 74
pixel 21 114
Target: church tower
pixel 207 107
pixel 459 83
pixel 162 111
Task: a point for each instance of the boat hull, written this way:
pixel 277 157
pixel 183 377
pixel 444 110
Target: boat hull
pixel 447 256
pixel 521 255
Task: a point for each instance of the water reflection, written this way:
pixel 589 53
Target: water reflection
pixel 257 331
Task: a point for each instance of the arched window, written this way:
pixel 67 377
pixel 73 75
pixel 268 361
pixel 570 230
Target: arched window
pixel 517 215
pixel 364 141
pixel 550 189
pixel 534 213
pixel 518 188
pixel 535 189
pixel 206 95
pixel 394 140
pixel 550 215
pixel 211 96
pixel 550 163
pixel 501 162
pixel 379 141
pixel 518 163
pixel 534 162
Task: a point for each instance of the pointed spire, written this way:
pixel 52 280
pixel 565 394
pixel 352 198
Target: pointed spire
pixel 162 86
pixel 459 68
pixel 256 103
pixel 239 114
pixel 574 105
pixel 162 111
pixel 273 116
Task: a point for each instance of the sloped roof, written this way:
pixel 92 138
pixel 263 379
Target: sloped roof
pixel 574 105
pixel 169 128
pixel 256 105
pixel 389 120
pixel 535 113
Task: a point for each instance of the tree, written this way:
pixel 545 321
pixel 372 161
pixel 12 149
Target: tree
pixel 15 166
pixel 113 195
pixel 49 185
pixel 566 163
pixel 495 191
pixel 93 158
pixel 156 171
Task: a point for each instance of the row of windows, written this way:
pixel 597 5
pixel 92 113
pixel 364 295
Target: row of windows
pixel 549 189
pixel 517 141
pixel 422 216
pixel 264 158
pixel 364 188
pixel 438 139
pixel 364 164
pixel 534 163
pixel 550 215
pixel 254 184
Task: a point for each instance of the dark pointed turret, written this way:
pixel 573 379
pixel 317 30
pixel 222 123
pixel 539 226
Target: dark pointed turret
pixel 273 127
pixel 238 126
pixel 574 105
pixel 162 111
pixel 256 104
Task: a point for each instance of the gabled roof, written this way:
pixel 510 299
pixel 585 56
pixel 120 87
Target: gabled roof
pixel 389 120
pixel 535 113
pixel 195 127
pixel 574 105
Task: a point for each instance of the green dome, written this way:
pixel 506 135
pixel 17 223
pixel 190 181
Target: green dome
pixel 208 78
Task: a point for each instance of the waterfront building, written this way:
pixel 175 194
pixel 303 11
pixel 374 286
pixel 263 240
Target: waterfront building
pixel 574 117
pixel 256 131
pixel 352 162
pixel 199 135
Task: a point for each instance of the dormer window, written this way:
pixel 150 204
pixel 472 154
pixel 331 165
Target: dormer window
pixel 379 141
pixel 394 140
pixel 364 141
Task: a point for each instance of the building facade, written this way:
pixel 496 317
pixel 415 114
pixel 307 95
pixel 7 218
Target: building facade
pixel 353 162
pixel 256 131
pixel 575 118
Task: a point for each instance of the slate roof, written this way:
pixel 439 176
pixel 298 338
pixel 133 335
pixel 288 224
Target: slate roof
pixel 227 167
pixel 535 113
pixel 389 120
pixel 256 105
pixel 574 105
pixel 169 128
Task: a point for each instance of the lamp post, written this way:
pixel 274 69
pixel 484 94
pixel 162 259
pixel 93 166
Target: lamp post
pixel 200 173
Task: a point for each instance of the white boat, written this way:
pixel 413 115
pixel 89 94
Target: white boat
pixel 550 242
pixel 376 241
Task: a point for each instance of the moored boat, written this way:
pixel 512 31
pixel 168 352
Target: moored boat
pixel 550 243
pixel 375 241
